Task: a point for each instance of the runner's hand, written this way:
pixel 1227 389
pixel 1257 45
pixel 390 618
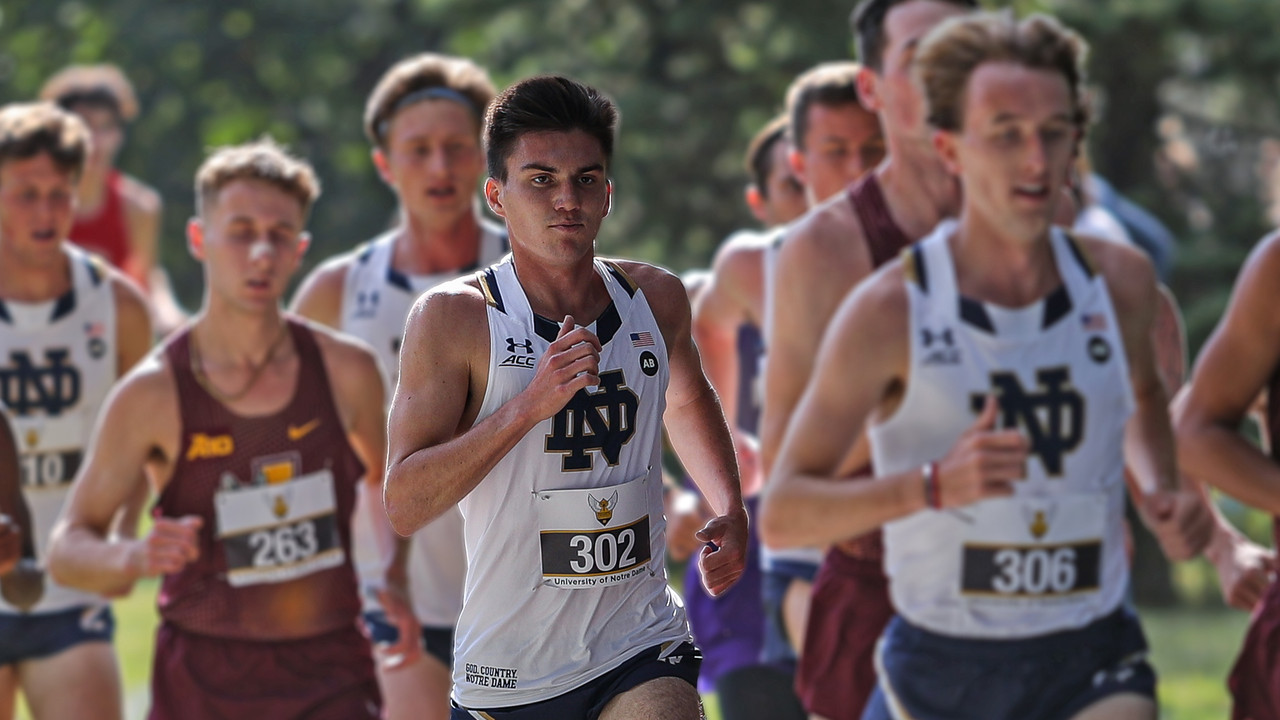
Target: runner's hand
pixel 722 561
pixel 570 364
pixel 168 547
pixel 1179 519
pixel 10 544
pixel 983 463
pixel 1245 569
pixel 407 649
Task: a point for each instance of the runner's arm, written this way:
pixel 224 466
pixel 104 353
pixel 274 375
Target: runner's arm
pixel 806 293
pixel 1171 506
pixel 133 340
pixel 698 432
pixel 1235 365
pixel 82 554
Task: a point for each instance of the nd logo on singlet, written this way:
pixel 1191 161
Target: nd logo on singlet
pixel 26 387
pixel 1053 418
pixel 602 421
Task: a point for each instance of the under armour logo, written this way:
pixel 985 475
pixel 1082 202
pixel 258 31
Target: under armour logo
pixel 1053 418
pixel 527 345
pixel 25 387
pixel 930 337
pixel 603 421
pixel 367 303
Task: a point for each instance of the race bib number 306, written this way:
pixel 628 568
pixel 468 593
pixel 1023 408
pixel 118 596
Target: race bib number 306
pixel 1035 548
pixel 1031 571
pixel 594 537
pixel 274 533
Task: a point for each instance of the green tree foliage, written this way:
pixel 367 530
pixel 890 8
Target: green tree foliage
pixel 693 80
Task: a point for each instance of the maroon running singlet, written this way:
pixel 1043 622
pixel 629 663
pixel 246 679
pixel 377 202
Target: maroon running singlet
pixel 107 232
pixel 850 604
pixel 1255 679
pixel 263 623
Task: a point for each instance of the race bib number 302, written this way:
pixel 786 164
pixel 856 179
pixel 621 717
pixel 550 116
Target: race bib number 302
pixel 594 537
pixel 279 532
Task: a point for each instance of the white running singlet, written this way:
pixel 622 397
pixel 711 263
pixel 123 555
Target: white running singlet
pixel 566 536
pixel 376 299
pixel 775 559
pixel 58 363
pixel 1052 556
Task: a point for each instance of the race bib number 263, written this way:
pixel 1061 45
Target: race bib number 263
pixel 279 532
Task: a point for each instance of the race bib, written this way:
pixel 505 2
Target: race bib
pixel 50 469
pixel 1034 547
pixel 280 532
pixel 594 537
pixel 49 450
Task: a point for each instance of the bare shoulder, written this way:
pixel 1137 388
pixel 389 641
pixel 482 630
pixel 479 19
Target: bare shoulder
pixel 133 310
pixel 139 197
pixel 743 246
pixel 1130 276
pixel 662 289
pixel 455 311
pixel 882 299
pixel 339 350
pixel 126 293
pixel 742 254
pixel 326 282
pixel 148 393
pixel 1265 258
pixel 825 233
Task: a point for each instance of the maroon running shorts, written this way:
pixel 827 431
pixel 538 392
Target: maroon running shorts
pixel 849 610
pixel 197 677
pixel 1255 679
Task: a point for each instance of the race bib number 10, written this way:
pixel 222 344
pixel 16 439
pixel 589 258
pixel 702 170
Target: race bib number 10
pixel 594 537
pixel 274 533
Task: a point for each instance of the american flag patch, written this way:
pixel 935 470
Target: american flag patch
pixel 642 339
pixel 1093 321
pixel 94 329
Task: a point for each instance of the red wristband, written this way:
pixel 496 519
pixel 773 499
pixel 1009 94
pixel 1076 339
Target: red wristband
pixel 932 490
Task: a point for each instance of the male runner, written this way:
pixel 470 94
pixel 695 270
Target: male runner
pixel 549 436
pixel 1237 363
pixel 833 140
pixel 255 430
pixel 69 327
pixel 822 258
pixel 1028 354
pixel 423 119
pixel 117 216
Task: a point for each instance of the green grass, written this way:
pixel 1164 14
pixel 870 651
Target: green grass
pixel 1192 650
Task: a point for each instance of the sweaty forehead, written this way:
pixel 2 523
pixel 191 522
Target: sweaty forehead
pixel 251 199
pixel 433 117
pixel 906 24
pixel 1008 91
pixel 562 151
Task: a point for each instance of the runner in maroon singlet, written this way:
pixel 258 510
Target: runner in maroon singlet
pixel 255 429
pixel 1241 360
pixel 822 258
